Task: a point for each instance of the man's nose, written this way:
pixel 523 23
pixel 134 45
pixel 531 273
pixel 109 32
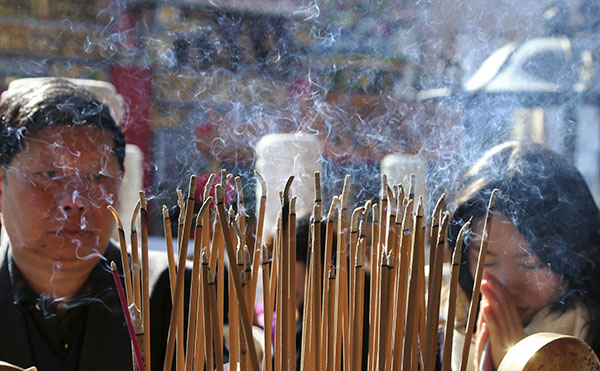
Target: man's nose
pixel 72 203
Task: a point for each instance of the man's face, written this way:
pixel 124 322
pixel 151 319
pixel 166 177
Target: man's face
pixel 55 193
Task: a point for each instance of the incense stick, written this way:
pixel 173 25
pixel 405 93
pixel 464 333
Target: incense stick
pixel 292 285
pixel 330 341
pixel 123 301
pixel 477 280
pixel 145 280
pixel 373 287
pixel 410 349
pixel 176 322
pixel 449 333
pixel 193 304
pixel 326 284
pixel 402 279
pixel 246 325
pixel 124 256
pixel 259 230
pixel 433 303
pixel 135 258
pixel 268 308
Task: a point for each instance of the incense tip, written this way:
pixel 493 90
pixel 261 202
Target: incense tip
pixel 165 211
pixel 113 266
pixel 420 206
pixel 205 205
pixel 239 256
pixel 264 254
pixel 293 205
pixel 390 193
pixel 493 197
pixel 219 193
pixel 331 274
pixel 359 252
pixel 247 263
pixel 192 186
pixel 204 256
pixel 390 259
pixel 115 215
pixel 142 196
pixel 239 189
pixel 208 185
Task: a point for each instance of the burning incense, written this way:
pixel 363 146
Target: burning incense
pixel 292 284
pixel 259 230
pixel 145 279
pixel 193 304
pixel 213 311
pixel 246 324
pixel 433 303
pixel 358 304
pixel 181 218
pixel 206 277
pixel 342 278
pixel 172 272
pixel 352 253
pixel 477 281
pixel 383 297
pixel 403 324
pixel 241 207
pixel 412 316
pixel 331 320
pixel 170 252
pixel 373 287
pixel 135 258
pixel 123 300
pixel 402 279
pixel 325 317
pixel 268 308
pixel 433 235
pixel 176 321
pixel 449 333
pixel 316 286
pixel 206 232
pixel 124 256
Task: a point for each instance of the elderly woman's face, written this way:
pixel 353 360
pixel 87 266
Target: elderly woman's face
pixel 529 282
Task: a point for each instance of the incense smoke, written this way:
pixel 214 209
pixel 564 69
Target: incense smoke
pixel 352 75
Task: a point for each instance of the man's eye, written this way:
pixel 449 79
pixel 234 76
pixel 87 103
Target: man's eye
pixel 49 175
pixel 96 176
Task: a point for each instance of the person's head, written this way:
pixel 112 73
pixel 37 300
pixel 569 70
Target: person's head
pixel 62 157
pixel 544 242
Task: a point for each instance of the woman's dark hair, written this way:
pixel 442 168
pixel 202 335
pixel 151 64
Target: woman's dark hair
pixel 548 201
pixel 54 101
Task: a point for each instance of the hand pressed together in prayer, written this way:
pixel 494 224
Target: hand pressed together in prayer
pixel 499 324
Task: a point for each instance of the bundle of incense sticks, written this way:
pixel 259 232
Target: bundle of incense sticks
pixel 403 307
